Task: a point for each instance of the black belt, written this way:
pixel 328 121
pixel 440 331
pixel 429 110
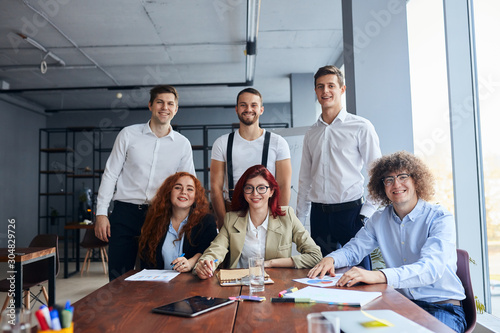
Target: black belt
pixel 330 208
pixel 131 205
pixel 450 301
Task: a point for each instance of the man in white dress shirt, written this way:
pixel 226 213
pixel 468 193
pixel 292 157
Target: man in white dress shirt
pixel 143 156
pixel 336 149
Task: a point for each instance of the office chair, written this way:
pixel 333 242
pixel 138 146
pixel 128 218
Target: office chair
pixel 36 273
pixel 91 242
pixel 469 303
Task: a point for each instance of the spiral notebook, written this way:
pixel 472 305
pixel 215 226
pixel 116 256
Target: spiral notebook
pixel 237 277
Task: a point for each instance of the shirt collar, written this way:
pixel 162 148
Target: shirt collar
pixel 411 215
pixel 147 131
pixel 341 117
pixel 171 228
pixel 417 210
pixel 251 226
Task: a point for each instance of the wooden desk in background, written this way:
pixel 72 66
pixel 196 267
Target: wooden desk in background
pixel 26 255
pixel 125 306
pixel 75 227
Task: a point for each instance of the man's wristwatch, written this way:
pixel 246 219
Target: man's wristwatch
pixel 362 218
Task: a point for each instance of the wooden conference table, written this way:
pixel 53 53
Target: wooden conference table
pixel 26 255
pixel 125 306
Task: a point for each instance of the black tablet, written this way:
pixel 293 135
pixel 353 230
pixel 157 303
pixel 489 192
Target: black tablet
pixel 192 306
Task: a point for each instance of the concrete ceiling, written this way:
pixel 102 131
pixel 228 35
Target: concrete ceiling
pixel 197 45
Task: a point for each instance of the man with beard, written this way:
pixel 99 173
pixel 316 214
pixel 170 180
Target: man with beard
pixel 233 153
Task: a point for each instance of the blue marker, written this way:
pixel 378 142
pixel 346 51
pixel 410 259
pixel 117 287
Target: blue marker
pixel 172 263
pixel 56 324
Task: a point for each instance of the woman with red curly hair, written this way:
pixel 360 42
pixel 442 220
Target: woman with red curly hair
pixel 258 226
pixel 178 226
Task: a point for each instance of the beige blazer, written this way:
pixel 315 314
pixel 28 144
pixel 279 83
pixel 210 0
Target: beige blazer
pixel 281 232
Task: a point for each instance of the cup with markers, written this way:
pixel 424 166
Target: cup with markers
pixel 55 319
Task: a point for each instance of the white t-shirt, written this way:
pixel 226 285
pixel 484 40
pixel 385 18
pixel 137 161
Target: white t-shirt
pixel 249 153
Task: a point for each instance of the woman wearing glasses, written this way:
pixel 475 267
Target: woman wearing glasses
pixel 258 226
pixel 178 226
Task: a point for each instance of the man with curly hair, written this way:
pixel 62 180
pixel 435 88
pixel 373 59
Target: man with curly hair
pixel 416 238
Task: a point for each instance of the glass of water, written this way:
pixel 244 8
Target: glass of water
pixel 256 269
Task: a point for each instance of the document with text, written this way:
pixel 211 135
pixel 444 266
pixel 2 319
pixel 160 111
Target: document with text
pixel 153 275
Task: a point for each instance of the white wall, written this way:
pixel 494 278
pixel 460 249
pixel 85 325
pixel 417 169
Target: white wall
pixel 377 69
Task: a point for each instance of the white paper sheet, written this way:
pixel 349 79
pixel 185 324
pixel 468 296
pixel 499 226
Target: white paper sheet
pixel 336 296
pixel 153 275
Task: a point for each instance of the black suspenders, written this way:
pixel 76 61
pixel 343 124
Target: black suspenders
pixel 265 153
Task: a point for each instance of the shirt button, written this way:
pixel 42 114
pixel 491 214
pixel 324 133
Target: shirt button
pixel 402 242
pixel 404 259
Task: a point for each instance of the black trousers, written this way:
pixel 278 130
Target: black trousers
pixel 126 222
pixel 332 230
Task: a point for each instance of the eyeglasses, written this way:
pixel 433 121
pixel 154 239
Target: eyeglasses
pixel 402 178
pixel 261 189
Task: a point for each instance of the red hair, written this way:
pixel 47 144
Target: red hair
pixel 239 204
pixel 160 211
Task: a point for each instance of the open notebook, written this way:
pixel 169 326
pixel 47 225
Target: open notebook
pixel 237 277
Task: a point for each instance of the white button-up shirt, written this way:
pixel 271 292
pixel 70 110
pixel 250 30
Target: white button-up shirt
pixel 139 163
pixel 333 156
pixel 255 242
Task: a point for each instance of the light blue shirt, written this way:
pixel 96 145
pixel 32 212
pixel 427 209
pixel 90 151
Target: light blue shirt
pixel 172 250
pixel 419 251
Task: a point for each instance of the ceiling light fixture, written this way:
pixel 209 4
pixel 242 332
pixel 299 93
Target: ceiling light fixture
pixel 253 15
pixel 43 65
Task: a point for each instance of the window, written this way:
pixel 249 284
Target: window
pixel 487 26
pixel 429 94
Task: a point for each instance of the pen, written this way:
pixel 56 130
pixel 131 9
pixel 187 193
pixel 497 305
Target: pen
pixel 292 300
pixel 214 263
pixel 172 263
